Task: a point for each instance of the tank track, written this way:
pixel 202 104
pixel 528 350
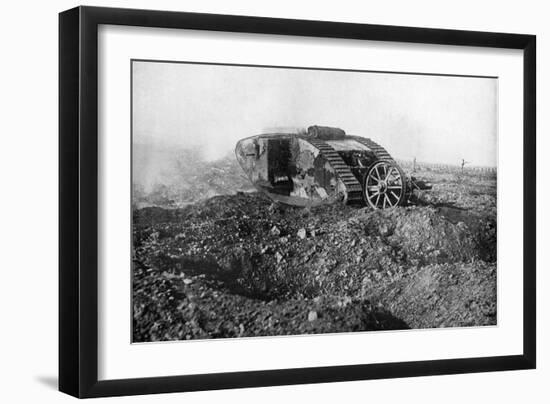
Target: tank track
pixel 353 186
pixel 379 151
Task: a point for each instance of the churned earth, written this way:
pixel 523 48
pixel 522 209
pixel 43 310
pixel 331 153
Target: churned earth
pixel 239 265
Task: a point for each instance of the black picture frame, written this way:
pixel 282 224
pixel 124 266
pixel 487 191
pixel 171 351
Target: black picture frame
pixel 78 201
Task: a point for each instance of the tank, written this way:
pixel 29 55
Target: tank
pixel 323 165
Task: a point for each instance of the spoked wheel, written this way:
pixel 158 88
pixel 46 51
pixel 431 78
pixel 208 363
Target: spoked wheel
pixel 384 186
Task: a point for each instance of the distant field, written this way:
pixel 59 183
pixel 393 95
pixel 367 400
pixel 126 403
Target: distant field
pixel 448 168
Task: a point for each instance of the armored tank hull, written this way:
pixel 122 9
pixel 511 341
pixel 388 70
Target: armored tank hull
pixel 323 165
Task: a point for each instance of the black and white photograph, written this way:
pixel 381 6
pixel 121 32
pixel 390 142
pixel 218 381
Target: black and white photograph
pixel 274 200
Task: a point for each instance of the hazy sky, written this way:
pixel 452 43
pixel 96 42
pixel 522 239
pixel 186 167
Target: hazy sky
pixel 436 119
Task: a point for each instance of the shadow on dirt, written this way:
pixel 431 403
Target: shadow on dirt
pixel 232 278
pixel 384 320
pixel 239 278
pixel 448 210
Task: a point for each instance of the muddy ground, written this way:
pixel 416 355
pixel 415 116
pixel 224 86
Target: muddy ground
pixel 238 265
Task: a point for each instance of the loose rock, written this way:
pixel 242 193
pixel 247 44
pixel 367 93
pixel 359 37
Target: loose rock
pixel 275 231
pixel 312 316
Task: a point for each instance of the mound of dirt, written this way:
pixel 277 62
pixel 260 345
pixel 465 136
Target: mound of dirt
pixel 441 295
pixel 239 265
